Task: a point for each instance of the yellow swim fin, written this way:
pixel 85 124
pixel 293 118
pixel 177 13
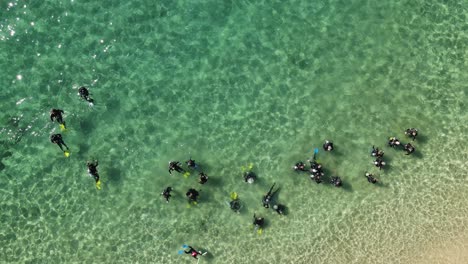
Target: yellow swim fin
pixel 98 185
pixel 66 153
pixel 260 231
pixel 186 174
pixel 62 127
pixel 234 196
pixel 250 166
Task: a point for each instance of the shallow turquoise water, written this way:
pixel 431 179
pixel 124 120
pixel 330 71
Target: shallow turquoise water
pixel 230 83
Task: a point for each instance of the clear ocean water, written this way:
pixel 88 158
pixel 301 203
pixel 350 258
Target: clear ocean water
pixel 230 83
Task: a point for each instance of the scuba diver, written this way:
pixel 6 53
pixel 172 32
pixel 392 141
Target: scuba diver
pixel 258 222
pixel 235 204
pixel 279 208
pixel 57 115
pixel 266 200
pixel 192 195
pixel 249 177
pixel 393 142
pixel 317 177
pixel 328 145
pixel 336 181
pixel 167 193
pixel 300 166
pixel 316 171
pixel 379 163
pixel 92 170
pixel 376 152
pixel 203 178
pixel 57 139
pixel 191 164
pixel 370 178
pixel 84 94
pixel 412 133
pixel 409 148
pixel 194 252
pixel 175 165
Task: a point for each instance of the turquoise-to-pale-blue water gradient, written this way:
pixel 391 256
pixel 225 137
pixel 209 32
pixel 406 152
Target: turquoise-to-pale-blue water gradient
pixel 230 83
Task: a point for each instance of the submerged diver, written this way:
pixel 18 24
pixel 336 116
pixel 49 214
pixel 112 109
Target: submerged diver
pixel 249 177
pixel 393 142
pixel 376 152
pixel 379 163
pixel 336 181
pixel 258 222
pixel 192 195
pixel 316 171
pixel 235 205
pixel 300 166
pixel 266 200
pixel 409 148
pixel 412 133
pixel 57 115
pixel 191 164
pixel 57 139
pixel 167 193
pixel 203 178
pixel 84 94
pixel 279 208
pixel 370 178
pixel 193 252
pixel 328 145
pixel 175 166
pixel 92 170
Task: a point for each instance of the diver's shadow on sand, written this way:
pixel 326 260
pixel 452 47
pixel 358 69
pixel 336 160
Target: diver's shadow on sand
pixel 347 186
pixel 114 175
pixel 421 139
pixel 417 154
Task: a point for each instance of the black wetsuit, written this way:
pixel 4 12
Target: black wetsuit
pixel 203 178
pixel 191 163
pixel 267 198
pixel 92 170
pixel 336 181
pixel 370 178
pixel 258 221
pixel 192 195
pixel 57 139
pixel 393 142
pixel 379 163
pixel 84 93
pixel 300 166
pixel 412 133
pixel 279 208
pixel 175 165
pixel 409 149
pixel 167 193
pixel 57 115
pixel 249 175
pixel 193 252
pixel 328 146
pixel 235 205
pixel 376 152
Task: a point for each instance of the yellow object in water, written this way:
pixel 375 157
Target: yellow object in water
pixel 249 167
pixel 66 153
pixel 260 231
pixel 234 196
pixel 186 174
pixel 62 127
pixel 98 185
